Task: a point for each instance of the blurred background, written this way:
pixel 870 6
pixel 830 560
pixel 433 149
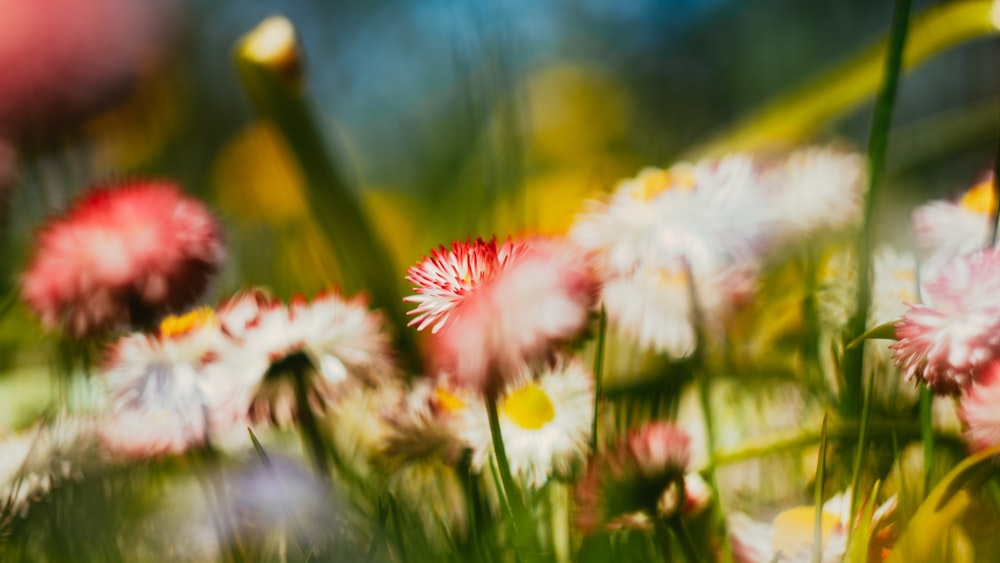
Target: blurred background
pixel 451 119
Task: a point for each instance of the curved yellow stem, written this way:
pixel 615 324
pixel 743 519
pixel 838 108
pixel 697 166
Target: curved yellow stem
pixel 798 114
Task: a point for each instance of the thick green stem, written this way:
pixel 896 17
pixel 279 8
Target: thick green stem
pixel 270 66
pixel 687 545
pixel 796 116
pixel 851 393
pixel 308 426
pixel 927 433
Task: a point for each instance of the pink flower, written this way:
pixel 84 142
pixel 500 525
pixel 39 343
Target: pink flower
pixel 65 59
pixel 660 448
pixel 948 340
pixel 980 409
pixel 122 255
pixel 497 309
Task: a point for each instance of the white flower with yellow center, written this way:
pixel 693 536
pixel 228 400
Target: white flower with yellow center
pixel 945 230
pixel 707 215
pixel 788 538
pixel 545 422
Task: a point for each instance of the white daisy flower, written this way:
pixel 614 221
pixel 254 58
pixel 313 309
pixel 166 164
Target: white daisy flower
pixel 162 398
pixel 425 423
pixel 945 229
pixel 818 189
pixel 707 215
pixel 653 307
pixel 788 538
pixel 545 423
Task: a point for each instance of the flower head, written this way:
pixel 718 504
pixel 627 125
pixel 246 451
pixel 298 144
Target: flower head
pixel 818 189
pixel 545 422
pixel 164 397
pixel 331 341
pixel 947 341
pixel 980 409
pixel 123 255
pixel 64 60
pixel 504 308
pixel 660 448
pixel 945 230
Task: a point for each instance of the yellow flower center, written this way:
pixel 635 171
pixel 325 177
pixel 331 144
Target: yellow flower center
pixel 529 407
pixel 653 182
pixel 668 278
pixel 175 325
pixel 980 198
pixel 447 401
pixel 794 528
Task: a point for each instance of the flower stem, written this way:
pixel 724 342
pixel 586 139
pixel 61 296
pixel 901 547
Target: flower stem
pixel 851 393
pixel 818 495
pixel 797 115
pixel 927 433
pixel 687 545
pixel 308 426
pixel 602 329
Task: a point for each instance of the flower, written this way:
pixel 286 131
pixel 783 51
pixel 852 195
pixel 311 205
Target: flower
pixel 788 538
pixel 945 230
pixel 653 308
pixel 497 309
pixel 545 422
pixel 164 397
pixel 638 478
pixel 948 340
pixel 706 215
pixel 65 60
pixel 818 189
pixel 124 254
pixel 425 424
pixel 980 409
pixel 330 341
pixel 444 280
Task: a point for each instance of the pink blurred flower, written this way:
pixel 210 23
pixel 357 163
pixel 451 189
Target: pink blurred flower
pixel 660 448
pixel 948 340
pixel 980 409
pixel 124 254
pixel 63 60
pixel 498 309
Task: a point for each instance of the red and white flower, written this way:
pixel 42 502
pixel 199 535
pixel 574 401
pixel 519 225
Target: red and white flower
pixel 946 342
pixel 123 255
pixel 980 409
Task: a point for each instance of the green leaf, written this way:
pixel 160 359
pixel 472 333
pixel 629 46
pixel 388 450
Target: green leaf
pixel 885 331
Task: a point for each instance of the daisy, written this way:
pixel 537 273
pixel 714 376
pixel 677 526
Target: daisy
pixel 949 339
pixel 163 399
pixel 330 341
pixel 495 308
pixel 980 409
pixel 945 230
pixel 789 536
pixel 425 424
pixel 818 189
pixel 545 422
pixel 123 255
pixel 707 215
pixel 652 307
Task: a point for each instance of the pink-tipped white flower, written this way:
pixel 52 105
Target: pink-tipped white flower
pixel 660 448
pixel 336 341
pixel 123 255
pixel 947 341
pixel 445 279
pixel 532 296
pixel 945 230
pixel 63 60
pixel 980 409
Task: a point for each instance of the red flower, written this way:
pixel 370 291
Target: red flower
pixel 122 255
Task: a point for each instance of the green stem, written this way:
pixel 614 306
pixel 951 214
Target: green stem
pixel 602 329
pixel 308 425
pixel 797 115
pixel 818 496
pixel 862 447
pixel 851 397
pixel 927 433
pixel 687 545
pixel 996 196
